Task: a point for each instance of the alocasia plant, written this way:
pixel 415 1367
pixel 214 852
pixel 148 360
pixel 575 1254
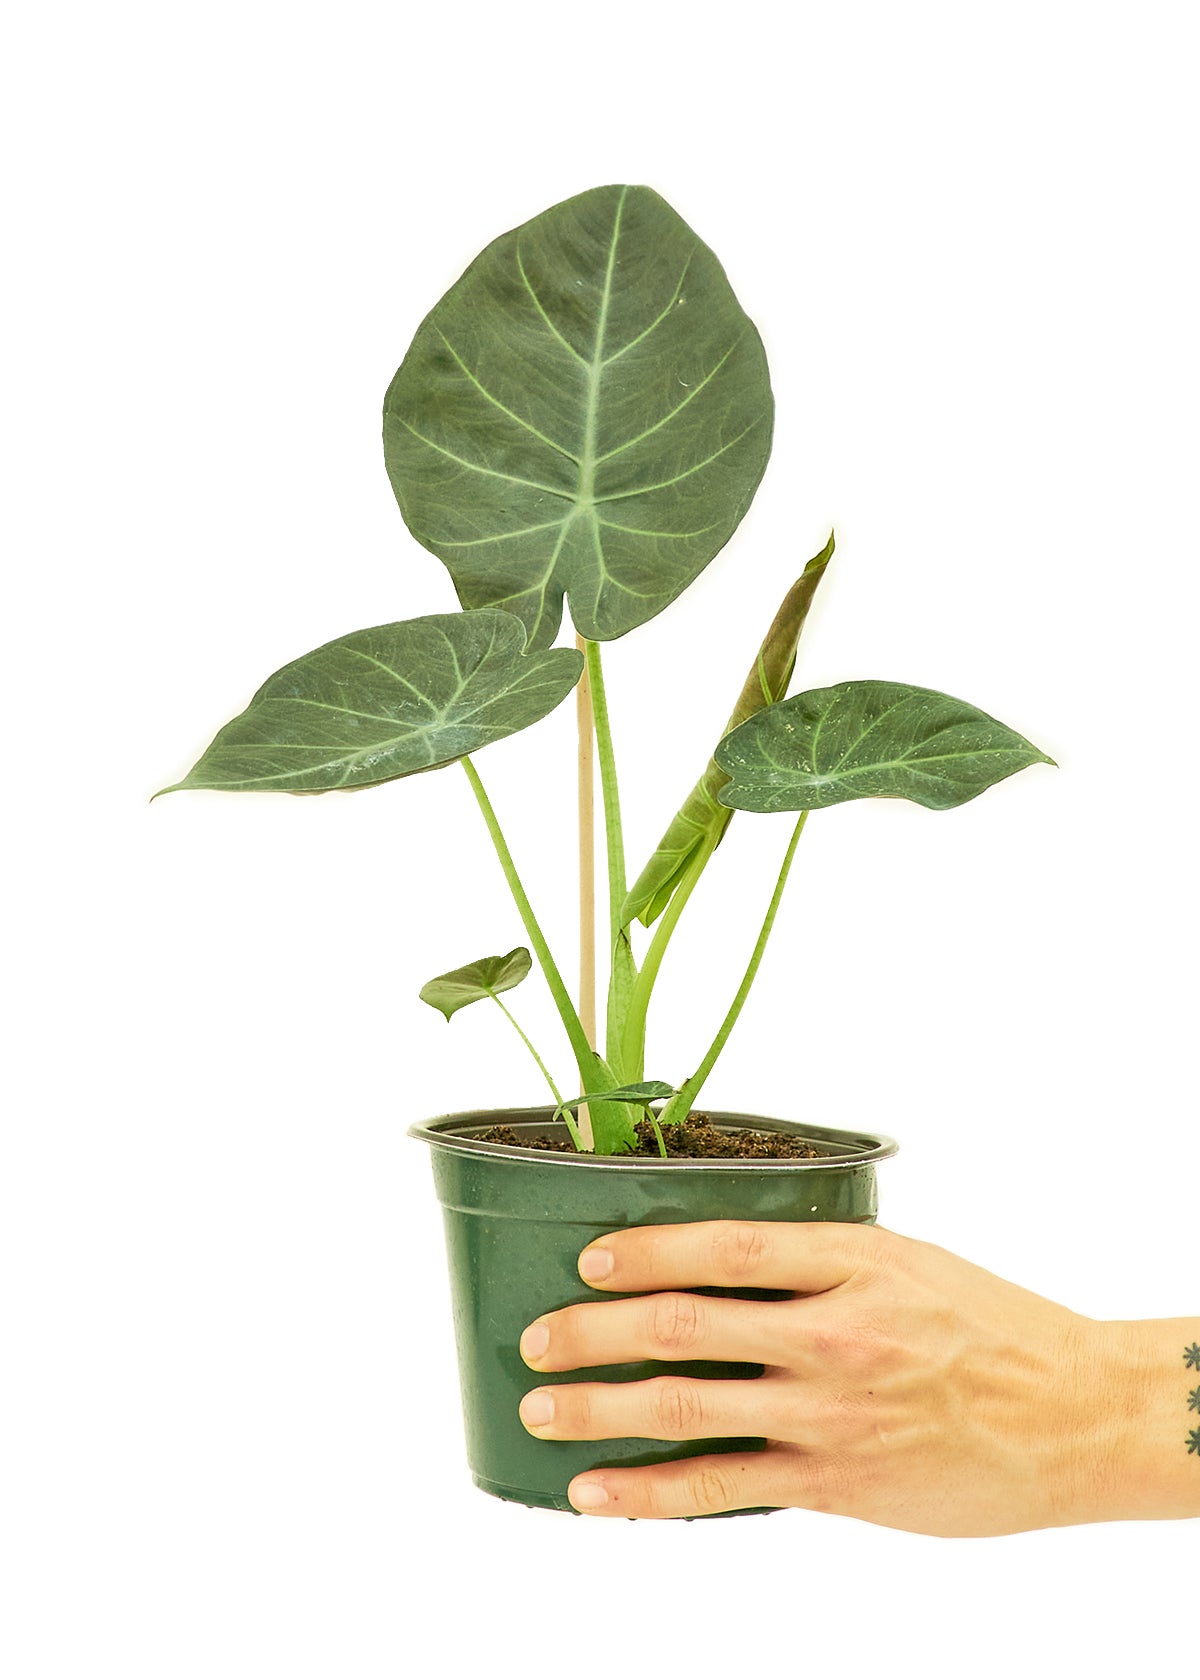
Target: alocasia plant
pixel 583 420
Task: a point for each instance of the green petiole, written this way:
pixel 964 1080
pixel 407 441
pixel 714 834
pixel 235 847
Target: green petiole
pixel 680 1105
pixel 585 1057
pixel 633 1045
pixel 528 1043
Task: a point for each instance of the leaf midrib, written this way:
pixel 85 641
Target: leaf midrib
pixel 833 776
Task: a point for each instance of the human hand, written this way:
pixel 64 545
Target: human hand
pixel 902 1385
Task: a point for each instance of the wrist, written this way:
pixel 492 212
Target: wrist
pixel 1146 1386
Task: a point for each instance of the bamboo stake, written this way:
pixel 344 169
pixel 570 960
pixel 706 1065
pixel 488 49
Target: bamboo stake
pixel 585 771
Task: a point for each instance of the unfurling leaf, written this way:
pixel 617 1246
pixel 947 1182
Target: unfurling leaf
pixel 860 740
pixel 481 979
pixel 700 815
pixel 587 411
pixel 388 702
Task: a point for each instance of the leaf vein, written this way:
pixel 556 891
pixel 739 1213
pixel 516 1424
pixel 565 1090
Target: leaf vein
pixel 503 407
pixel 678 409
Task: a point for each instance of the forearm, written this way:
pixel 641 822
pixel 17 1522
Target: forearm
pixel 1154 1445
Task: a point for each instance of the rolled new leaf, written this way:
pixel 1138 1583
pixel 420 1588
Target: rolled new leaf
pixel 388 702
pixel 586 412
pixel 862 740
pixel 701 815
pixel 473 981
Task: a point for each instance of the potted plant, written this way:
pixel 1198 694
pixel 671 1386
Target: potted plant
pixel 585 417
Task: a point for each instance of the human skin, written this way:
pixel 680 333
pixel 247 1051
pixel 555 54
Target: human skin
pixel 902 1385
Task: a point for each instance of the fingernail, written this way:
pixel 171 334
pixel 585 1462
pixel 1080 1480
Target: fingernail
pixel 537 1408
pixel 594 1264
pixel 535 1341
pixel 587 1496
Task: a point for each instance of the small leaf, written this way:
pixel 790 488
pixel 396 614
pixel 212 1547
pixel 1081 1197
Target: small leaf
pixel 644 1093
pixel 700 814
pixel 481 979
pixel 388 702
pixel 861 740
pixel 587 412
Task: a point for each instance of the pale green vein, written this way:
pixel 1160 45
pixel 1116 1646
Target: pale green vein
pixel 507 536
pixel 824 776
pixel 658 319
pixel 587 465
pixel 607 575
pixel 539 588
pixel 873 725
pixel 676 536
pixel 331 706
pixel 537 303
pixel 667 418
pixel 376 750
pixel 361 653
pixel 488 472
pixel 503 407
pixel 666 483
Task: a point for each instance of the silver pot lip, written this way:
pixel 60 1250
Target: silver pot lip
pixel 842 1148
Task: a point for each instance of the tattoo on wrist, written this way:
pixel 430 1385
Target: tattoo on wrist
pixel 1191 1359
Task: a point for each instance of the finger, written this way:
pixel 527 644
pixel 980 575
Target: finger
pixel 662 1409
pixel 670 1326
pixel 688 1487
pixel 807 1258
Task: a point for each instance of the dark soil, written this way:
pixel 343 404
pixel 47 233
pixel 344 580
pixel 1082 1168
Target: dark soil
pixel 693 1139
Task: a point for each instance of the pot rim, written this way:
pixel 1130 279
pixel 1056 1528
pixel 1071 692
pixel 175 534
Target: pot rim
pixel 452 1132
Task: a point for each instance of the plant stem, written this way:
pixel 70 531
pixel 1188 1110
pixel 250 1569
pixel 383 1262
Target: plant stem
pixel 634 1041
pixel 680 1105
pixel 585 1056
pixel 528 1043
pixel 622 973
pixel 613 833
pixel 585 781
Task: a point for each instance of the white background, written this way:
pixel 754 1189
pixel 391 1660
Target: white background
pixel 965 232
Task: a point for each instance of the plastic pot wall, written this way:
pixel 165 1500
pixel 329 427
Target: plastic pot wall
pixel 516 1220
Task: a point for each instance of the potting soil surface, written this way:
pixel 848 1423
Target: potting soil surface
pixel 695 1138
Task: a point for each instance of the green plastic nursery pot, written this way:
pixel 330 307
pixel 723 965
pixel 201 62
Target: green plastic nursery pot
pixel 516 1220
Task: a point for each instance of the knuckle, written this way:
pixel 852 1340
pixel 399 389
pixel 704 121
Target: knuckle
pixel 710 1489
pixel 887 1253
pixel 855 1343
pixel 573 1411
pixel 739 1249
pixel 677 1408
pixel 674 1323
pixel 834 1482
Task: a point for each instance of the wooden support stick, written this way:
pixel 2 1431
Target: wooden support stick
pixel 587 870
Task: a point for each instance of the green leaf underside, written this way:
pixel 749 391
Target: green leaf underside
pixel 388 702
pixel 587 410
pixel 701 812
pixel 647 1091
pixel 476 980
pixel 860 740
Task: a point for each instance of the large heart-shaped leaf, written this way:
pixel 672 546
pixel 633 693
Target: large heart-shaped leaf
pixel 586 411
pixel 473 981
pixel 701 817
pixel 860 740
pixel 387 702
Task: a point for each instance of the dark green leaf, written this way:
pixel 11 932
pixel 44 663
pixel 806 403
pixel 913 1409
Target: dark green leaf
pixel 701 815
pixel 484 978
pixel 647 1091
pixel 862 740
pixel 388 702
pixel 586 411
